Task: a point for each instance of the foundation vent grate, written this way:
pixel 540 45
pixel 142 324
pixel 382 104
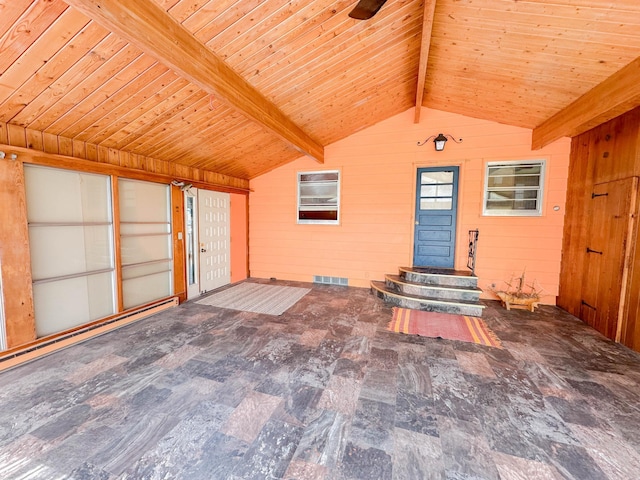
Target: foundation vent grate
pixel 342 281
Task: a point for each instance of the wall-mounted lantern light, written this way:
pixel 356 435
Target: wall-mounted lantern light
pixel 439 141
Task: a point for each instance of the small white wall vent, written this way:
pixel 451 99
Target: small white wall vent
pixel 344 282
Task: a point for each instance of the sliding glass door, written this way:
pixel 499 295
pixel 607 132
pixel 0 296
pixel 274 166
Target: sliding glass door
pixel 72 232
pixel 145 242
pixel 71 243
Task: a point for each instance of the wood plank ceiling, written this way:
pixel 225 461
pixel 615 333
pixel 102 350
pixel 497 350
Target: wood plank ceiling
pixel 517 62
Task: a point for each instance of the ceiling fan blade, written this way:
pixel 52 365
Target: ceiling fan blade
pixel 365 9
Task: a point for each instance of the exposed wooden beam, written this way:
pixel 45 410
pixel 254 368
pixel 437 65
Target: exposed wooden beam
pixel 616 95
pixel 146 25
pixel 427 26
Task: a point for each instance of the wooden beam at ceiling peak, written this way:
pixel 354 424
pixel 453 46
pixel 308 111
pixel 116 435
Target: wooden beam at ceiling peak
pixel 616 95
pixel 427 26
pixel 146 25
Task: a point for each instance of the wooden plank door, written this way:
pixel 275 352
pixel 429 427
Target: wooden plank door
pixel 607 252
pixel 436 211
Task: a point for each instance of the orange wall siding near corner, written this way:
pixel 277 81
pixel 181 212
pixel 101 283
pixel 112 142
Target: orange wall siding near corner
pixel 378 172
pixel 238 237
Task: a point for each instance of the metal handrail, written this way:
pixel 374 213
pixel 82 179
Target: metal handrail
pixel 473 250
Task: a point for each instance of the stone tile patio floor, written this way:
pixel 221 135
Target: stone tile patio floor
pixel 325 392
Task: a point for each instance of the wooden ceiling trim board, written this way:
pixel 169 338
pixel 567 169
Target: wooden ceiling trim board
pixel 517 76
pixel 167 4
pixel 603 11
pixel 286 91
pixel 139 103
pixel 11 12
pixel 556 18
pixel 353 89
pixel 167 135
pixel 548 33
pixel 51 70
pixel 71 122
pixel 40 51
pixel 296 40
pixel 41 81
pixel 521 77
pixel 226 15
pixel 256 25
pixel 103 76
pixel 210 19
pixel 242 137
pixel 490 49
pixel 616 95
pixel 94 121
pixel 17 143
pixel 27 29
pixel 173 106
pixel 158 33
pixel 184 9
pixel 148 136
pixel 173 127
pixel 329 47
pixel 425 42
pixel 80 71
pixel 404 76
pixel 288 31
pixel 142 117
pixel 308 48
pixel 340 55
pixel 215 130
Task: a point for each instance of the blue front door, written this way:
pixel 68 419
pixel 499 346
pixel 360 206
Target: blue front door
pixel 436 208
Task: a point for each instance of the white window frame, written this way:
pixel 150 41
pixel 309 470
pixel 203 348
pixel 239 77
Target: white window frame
pixel 510 212
pixel 335 205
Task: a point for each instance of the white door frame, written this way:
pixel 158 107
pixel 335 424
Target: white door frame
pixel 191 243
pixel 3 329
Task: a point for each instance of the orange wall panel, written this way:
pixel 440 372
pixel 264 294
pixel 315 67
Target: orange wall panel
pixel 378 173
pixel 239 227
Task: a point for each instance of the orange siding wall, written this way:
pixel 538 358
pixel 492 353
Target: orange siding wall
pixel 378 167
pixel 238 237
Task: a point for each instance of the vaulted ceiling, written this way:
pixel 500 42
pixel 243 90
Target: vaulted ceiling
pixel 240 87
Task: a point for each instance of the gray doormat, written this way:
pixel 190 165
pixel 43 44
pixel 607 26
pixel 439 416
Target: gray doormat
pixel 257 298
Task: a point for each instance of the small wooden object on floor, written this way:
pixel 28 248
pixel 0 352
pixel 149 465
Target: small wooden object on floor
pixel 511 301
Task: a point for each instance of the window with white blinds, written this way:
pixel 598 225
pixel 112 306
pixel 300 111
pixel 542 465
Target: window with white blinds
pixel 145 241
pixel 71 244
pixel 514 188
pixel 319 197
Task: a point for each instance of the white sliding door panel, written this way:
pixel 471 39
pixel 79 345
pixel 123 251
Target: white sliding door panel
pixel 145 242
pixel 71 244
pixel 63 196
pixel 215 240
pixel 65 304
pixel 67 250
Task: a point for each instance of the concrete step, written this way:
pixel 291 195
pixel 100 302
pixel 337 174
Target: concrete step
pixel 439 276
pixel 445 292
pixel 429 304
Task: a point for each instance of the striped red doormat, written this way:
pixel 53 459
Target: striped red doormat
pixel 443 325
